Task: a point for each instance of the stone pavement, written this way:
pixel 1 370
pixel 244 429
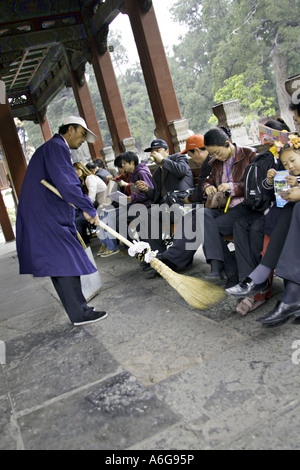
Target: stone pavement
pixel 154 375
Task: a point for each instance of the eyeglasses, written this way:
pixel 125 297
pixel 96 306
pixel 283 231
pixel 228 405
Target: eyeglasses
pixel 193 150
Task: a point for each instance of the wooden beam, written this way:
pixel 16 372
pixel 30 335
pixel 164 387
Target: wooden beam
pixel 5 222
pixel 12 147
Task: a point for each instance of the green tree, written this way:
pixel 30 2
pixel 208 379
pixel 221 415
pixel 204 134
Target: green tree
pixel 262 38
pixel 254 103
pixel 137 105
pixel 259 39
pixel 191 65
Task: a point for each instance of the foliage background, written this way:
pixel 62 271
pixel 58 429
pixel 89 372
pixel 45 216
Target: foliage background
pixel 233 49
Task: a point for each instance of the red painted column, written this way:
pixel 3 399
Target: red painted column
pixel 87 112
pixel 45 127
pixel 155 67
pixel 110 95
pixel 12 147
pixel 5 222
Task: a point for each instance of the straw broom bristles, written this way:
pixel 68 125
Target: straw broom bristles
pixel 197 293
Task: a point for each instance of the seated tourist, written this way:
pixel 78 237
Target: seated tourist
pixel 202 161
pixel 98 169
pixel 258 280
pixel 121 217
pixel 172 174
pixel 227 170
pixel 95 188
pixel 245 221
pixel 252 232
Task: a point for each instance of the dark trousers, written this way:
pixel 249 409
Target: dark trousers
pixel 160 219
pixel 179 252
pixel 278 236
pixel 218 225
pixel 248 234
pixel 288 266
pixel 70 293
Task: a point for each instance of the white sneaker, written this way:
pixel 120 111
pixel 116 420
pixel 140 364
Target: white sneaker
pixel 101 249
pixel 107 253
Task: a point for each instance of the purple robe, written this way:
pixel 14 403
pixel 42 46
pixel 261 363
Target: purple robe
pixel 46 237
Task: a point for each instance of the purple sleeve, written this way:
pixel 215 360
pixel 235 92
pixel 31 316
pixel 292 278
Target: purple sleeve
pixel 141 196
pixel 61 174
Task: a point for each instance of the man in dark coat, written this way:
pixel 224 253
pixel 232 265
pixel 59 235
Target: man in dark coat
pixel 173 174
pixel 47 243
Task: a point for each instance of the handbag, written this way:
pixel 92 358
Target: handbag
pixel 217 200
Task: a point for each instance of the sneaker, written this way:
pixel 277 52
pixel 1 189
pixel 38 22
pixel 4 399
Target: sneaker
pixel 107 253
pixel 93 319
pixel 101 249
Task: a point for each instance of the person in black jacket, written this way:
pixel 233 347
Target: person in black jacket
pixel 281 252
pixel 173 174
pixel 179 256
pixel 288 269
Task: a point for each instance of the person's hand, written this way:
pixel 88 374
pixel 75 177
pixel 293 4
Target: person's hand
pixel 292 195
pixel 291 180
pixel 270 176
pixel 142 186
pixel 122 183
pixel 210 190
pixel 224 187
pixel 92 220
pixel 108 178
pixel 186 200
pixel 157 157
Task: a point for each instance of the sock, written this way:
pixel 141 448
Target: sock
pixel 292 293
pixel 260 274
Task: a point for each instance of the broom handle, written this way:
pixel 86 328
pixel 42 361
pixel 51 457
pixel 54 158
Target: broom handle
pixel 115 234
pixel 101 224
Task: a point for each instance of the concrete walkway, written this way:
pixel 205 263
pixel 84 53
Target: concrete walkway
pixel 155 374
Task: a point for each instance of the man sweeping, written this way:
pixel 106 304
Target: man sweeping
pixel 47 243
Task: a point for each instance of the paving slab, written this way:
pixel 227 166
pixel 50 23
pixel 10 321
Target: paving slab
pixel 112 414
pixel 154 375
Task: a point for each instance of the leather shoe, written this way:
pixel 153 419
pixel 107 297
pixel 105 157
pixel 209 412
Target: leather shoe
pixel 280 313
pixel 231 282
pixel 247 288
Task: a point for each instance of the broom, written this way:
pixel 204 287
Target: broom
pixel 197 293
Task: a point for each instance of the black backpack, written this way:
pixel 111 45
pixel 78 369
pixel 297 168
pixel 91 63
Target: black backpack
pixel 255 173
